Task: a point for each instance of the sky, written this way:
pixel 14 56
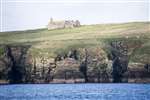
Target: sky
pixel 32 14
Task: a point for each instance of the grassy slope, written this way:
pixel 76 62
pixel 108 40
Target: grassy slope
pixel 55 41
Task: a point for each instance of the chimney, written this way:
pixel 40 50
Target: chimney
pixel 51 20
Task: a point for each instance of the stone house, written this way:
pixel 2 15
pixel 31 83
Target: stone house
pixel 62 24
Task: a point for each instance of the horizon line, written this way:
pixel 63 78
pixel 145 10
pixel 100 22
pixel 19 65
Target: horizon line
pixel 44 27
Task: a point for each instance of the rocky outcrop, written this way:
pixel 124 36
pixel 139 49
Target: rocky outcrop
pixel 13 65
pixel 119 53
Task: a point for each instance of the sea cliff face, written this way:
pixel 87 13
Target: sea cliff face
pixel 78 65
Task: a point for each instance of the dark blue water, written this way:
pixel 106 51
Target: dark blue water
pixel 75 92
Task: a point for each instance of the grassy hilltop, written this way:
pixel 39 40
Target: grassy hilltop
pixel 53 42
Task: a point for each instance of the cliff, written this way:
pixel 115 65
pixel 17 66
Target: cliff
pixel 77 66
pixel 92 53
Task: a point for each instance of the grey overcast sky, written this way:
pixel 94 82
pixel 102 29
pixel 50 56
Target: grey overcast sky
pixel 31 14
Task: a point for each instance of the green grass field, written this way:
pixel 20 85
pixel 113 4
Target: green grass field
pixel 52 42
